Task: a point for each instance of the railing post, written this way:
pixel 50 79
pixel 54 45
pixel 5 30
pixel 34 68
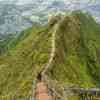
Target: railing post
pixel 91 97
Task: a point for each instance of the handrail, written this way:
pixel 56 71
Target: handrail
pixel 92 91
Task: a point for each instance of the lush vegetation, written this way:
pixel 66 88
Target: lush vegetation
pixel 5 39
pixel 19 67
pixel 76 63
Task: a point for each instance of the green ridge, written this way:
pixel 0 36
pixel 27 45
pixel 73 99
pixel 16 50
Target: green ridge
pixel 76 62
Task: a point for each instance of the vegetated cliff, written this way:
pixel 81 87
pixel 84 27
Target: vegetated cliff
pixel 76 62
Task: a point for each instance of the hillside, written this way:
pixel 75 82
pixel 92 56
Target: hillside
pixel 76 61
pixel 5 39
pixel 77 51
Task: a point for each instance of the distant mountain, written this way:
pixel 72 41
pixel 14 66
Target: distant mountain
pixel 17 15
pixel 12 19
pixel 95 7
pixel 94 10
pixel 57 5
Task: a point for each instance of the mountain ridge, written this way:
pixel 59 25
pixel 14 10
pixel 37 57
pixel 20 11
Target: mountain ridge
pixel 75 63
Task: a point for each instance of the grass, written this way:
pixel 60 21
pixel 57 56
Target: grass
pixel 19 68
pixel 76 62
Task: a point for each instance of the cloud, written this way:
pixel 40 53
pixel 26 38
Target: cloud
pixel 66 1
pixel 24 1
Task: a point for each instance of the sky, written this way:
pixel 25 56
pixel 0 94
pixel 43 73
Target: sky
pixel 67 1
pixel 72 4
pixel 43 7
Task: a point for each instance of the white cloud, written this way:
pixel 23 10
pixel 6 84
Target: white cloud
pixel 66 1
pixel 24 1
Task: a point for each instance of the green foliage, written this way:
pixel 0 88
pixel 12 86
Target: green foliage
pixel 4 41
pixel 19 68
pixel 76 62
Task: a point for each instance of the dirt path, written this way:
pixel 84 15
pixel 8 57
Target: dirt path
pixel 42 92
pixel 41 88
pixel 53 50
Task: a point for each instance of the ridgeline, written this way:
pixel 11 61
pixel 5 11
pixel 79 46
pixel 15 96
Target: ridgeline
pixel 75 63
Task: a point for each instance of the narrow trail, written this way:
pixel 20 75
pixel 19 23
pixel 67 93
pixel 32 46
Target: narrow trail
pixel 53 50
pixel 42 91
pixel 41 88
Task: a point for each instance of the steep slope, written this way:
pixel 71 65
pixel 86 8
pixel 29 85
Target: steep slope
pixel 74 39
pixel 77 49
pixel 19 68
pixel 5 39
